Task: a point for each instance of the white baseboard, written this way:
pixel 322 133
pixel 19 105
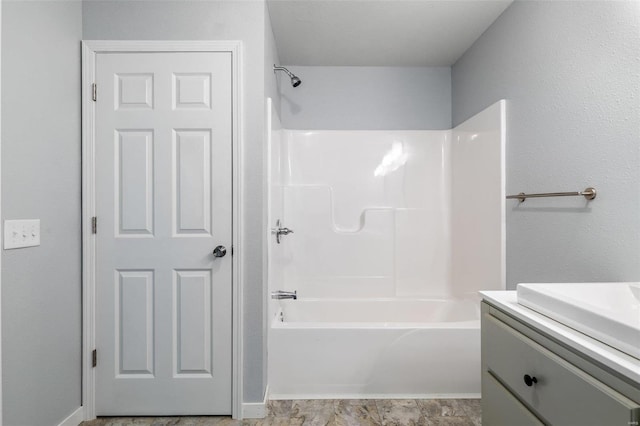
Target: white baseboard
pixel 256 410
pixel 74 418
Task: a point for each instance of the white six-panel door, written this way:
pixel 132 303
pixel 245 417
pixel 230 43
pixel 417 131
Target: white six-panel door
pixel 163 202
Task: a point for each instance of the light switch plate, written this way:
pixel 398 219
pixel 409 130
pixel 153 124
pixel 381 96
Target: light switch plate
pixel 21 233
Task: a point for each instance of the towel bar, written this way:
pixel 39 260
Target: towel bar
pixel 589 194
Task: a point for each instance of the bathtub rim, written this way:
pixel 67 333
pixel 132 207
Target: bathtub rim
pixel 474 323
pixel 434 325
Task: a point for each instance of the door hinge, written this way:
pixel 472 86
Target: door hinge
pixel 94 358
pixel 94 92
pixel 94 225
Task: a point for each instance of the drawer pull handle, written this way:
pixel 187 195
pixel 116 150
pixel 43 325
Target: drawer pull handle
pixel 529 380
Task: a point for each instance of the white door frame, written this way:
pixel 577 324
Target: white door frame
pixel 1 412
pixel 90 48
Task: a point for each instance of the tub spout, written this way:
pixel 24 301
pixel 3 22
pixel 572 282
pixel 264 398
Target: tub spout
pixel 280 294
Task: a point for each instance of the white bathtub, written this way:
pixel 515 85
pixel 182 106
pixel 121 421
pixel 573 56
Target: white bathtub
pixel 381 348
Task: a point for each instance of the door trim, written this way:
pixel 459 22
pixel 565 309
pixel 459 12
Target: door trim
pixel 1 227
pixel 90 48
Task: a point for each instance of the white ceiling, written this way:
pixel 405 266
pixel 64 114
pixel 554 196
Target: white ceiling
pixel 379 32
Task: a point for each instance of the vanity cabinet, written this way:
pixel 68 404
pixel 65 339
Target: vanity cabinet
pixel 530 379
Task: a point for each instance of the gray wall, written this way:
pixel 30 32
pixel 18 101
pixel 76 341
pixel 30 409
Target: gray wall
pixel 214 20
pixel 271 79
pixel 571 74
pixel 41 286
pixel 371 98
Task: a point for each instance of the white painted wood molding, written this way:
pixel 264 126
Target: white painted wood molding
pixel 74 419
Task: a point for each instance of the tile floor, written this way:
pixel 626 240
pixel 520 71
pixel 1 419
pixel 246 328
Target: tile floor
pixel 423 412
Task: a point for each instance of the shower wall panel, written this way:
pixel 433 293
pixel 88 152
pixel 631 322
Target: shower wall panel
pixel 275 204
pixel 370 213
pixel 478 203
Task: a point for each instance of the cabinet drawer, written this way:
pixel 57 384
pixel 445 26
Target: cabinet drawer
pixel 500 408
pixel 563 394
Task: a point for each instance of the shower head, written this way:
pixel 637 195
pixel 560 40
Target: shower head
pixel 295 80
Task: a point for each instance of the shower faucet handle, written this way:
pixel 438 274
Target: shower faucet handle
pixel 278 231
pixel 285 231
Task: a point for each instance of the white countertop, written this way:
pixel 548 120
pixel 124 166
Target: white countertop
pixel 618 361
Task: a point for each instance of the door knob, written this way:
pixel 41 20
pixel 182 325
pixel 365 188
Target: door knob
pixel 219 251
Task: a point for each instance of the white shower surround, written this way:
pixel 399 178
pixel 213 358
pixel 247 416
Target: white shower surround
pixel 395 233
